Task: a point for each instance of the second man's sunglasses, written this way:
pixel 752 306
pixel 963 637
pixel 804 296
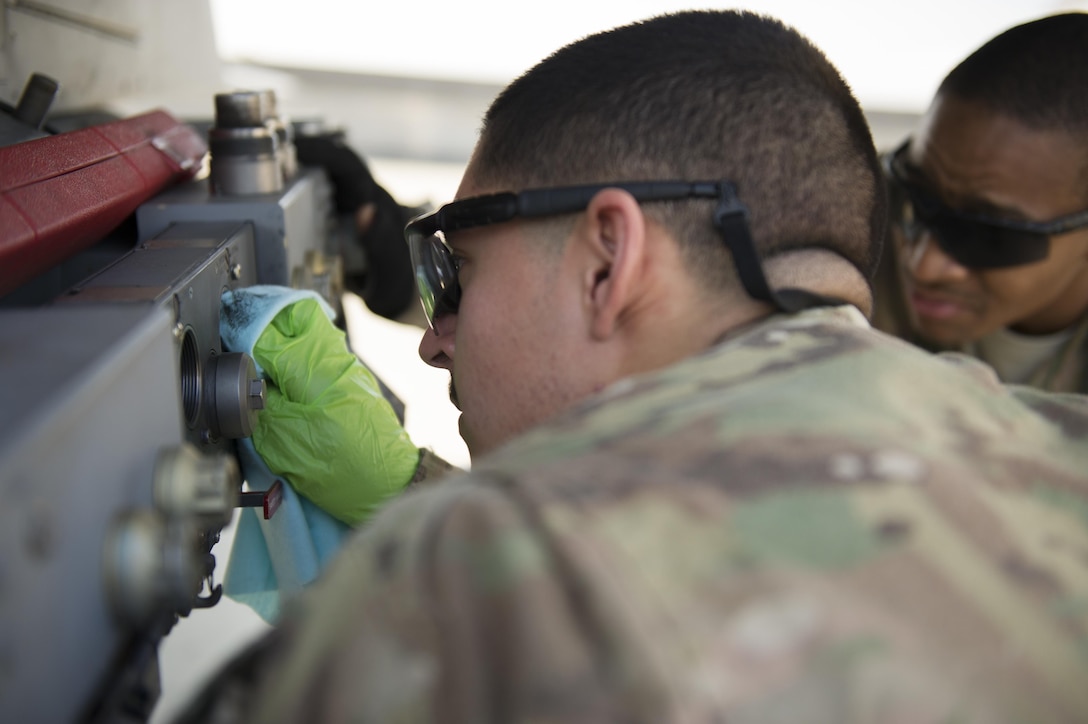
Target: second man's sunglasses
pixel 976 241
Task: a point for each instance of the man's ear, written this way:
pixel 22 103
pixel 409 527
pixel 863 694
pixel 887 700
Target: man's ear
pixel 614 235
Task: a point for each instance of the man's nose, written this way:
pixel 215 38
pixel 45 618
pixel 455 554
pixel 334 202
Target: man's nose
pixel 928 262
pixel 436 347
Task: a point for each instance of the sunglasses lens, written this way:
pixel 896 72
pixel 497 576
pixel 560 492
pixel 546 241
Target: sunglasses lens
pixel 973 243
pixel 978 245
pixel 436 275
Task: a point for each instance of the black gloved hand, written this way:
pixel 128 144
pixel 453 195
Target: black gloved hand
pixel 386 284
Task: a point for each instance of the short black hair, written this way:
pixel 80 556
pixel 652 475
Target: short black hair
pixel 1036 73
pixel 701 95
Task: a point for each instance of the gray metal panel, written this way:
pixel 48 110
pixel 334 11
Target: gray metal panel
pixel 89 398
pixel 308 220
pixel 286 225
pixel 184 269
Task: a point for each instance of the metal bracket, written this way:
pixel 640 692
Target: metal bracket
pixel 268 499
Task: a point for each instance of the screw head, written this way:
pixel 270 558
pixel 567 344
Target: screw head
pixel 256 395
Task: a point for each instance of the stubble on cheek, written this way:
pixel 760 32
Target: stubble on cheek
pixel 453 394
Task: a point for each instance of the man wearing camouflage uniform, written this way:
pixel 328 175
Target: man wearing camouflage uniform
pixel 703 488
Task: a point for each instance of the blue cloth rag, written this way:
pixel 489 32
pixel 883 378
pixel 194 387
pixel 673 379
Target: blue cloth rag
pixel 272 560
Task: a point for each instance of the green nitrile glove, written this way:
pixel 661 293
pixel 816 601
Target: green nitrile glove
pixel 325 425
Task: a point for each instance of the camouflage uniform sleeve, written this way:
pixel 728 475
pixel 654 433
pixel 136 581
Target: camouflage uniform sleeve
pixel 237 687
pixel 425 615
pixel 431 469
pixel 1067 410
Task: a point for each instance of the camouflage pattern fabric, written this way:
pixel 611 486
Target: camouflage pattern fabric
pixel 812 522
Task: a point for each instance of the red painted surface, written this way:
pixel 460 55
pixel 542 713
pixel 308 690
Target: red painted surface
pixel 62 193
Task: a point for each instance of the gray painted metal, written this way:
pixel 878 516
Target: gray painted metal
pixel 89 398
pixel 286 225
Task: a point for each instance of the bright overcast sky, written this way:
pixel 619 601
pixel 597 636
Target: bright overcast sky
pixel 893 53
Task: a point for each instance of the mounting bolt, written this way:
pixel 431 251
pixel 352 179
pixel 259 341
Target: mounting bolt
pixel 256 394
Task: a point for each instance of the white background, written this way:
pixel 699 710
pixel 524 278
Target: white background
pixel 893 53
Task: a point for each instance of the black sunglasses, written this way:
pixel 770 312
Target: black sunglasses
pixel 434 266
pixel 436 271
pixel 976 241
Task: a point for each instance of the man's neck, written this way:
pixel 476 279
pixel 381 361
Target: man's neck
pixel 821 272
